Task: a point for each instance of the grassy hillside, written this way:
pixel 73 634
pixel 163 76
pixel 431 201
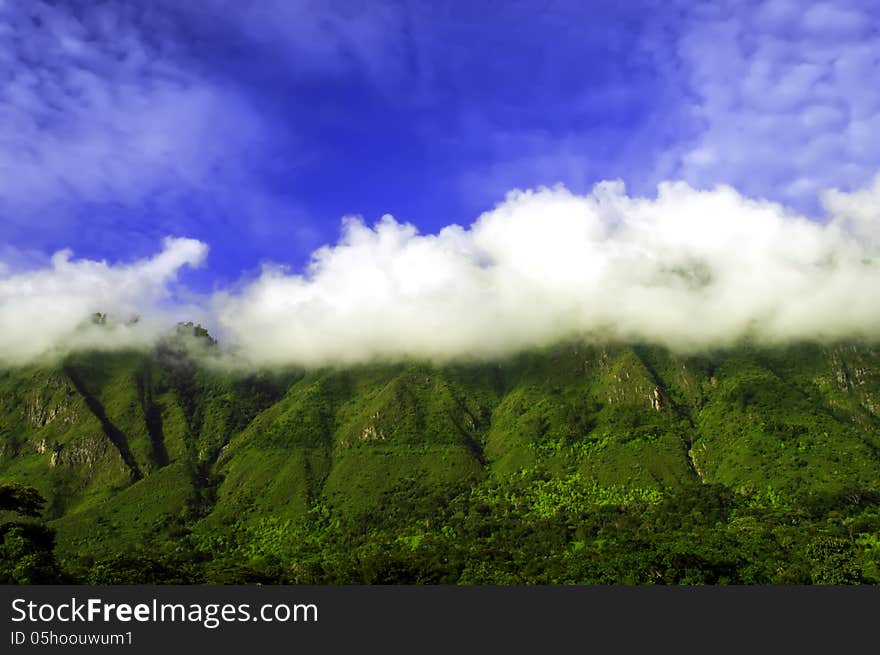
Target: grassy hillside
pixel 560 465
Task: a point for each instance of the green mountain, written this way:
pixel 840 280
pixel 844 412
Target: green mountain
pixel 576 463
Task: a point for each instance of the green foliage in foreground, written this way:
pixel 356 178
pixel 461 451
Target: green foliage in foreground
pixel 26 547
pixel 526 532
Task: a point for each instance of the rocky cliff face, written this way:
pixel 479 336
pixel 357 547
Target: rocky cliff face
pixel 84 453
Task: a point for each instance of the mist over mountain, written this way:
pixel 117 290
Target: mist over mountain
pixel 689 270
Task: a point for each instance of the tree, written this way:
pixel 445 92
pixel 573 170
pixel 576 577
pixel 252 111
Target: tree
pixel 21 499
pixel 833 561
pixel 26 547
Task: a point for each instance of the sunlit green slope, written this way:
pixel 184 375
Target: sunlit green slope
pixel 132 449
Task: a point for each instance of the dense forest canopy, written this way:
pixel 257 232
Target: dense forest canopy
pixel 579 463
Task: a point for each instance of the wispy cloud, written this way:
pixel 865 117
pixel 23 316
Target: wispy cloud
pixel 787 97
pixel 99 110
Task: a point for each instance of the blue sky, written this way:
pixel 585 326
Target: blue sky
pixel 683 173
pixel 254 127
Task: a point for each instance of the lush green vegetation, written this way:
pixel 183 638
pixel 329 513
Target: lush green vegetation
pixel 575 464
pixel 26 547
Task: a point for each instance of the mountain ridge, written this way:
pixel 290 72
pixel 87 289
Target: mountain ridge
pixel 133 449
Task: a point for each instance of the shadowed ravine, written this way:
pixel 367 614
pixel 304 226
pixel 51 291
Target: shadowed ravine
pixel 115 435
pixel 152 418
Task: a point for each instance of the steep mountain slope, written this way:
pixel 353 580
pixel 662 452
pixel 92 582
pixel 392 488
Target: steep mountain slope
pixel 133 450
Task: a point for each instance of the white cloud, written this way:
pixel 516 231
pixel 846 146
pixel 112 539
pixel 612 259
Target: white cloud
pixel 46 311
pixel 689 269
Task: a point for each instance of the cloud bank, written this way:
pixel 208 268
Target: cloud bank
pixel 687 269
pixel 47 311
